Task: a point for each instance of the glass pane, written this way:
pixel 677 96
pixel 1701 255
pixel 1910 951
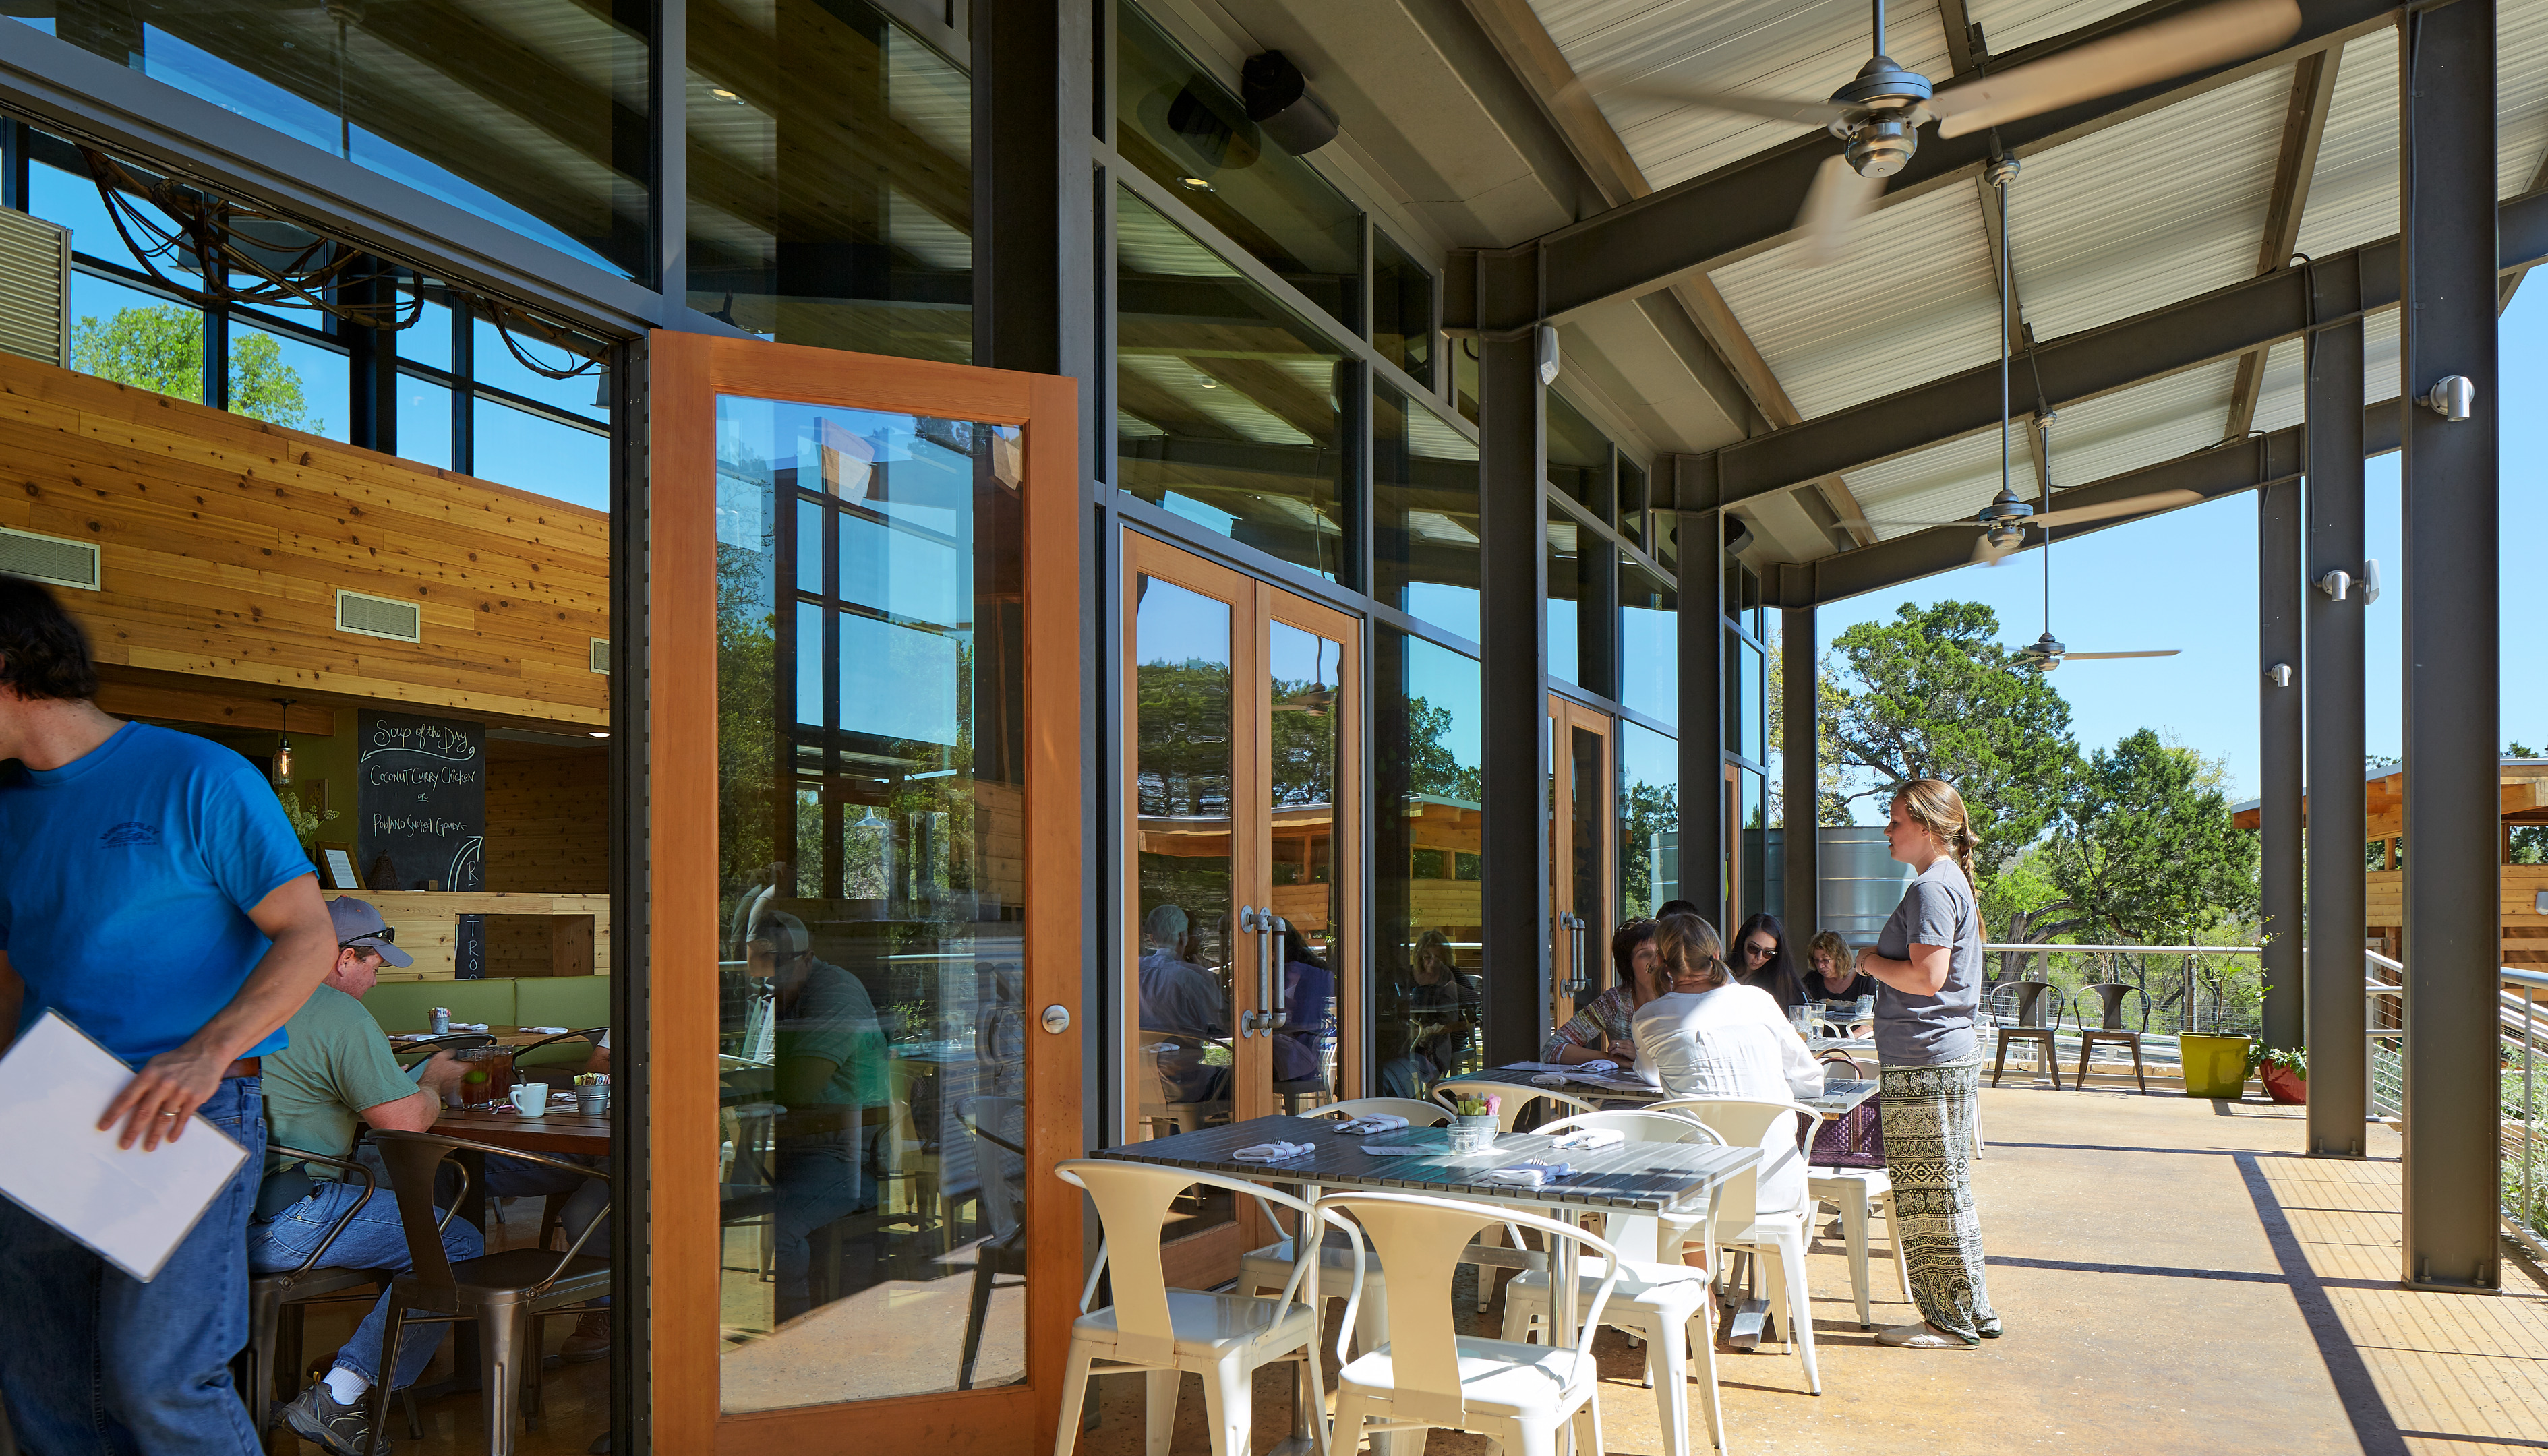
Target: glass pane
pixel 1588 822
pixel 1230 409
pixel 1464 377
pixel 493 362
pixel 424 421
pixel 530 116
pixel 1579 457
pixel 1649 820
pixel 831 172
pixel 1309 709
pixel 1749 726
pixel 514 447
pixel 1753 806
pixel 1649 644
pixel 64 195
pixel 1633 503
pixel 871 896
pixel 1566 596
pixel 1402 309
pixel 1424 513
pixel 287 381
pixel 1188 133
pixel 1430 1000
pixel 136 338
pixel 1183 739
pixel 429 340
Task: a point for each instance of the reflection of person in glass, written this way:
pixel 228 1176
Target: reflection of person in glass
pixel 1438 1011
pixel 831 1068
pixel 1310 1012
pixel 1183 999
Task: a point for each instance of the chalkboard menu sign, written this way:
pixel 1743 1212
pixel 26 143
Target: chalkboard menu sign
pixel 422 810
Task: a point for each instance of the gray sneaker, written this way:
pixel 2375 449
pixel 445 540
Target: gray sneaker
pixel 345 1430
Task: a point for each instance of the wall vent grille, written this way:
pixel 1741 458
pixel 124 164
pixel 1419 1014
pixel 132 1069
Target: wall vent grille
pixel 379 616
pixel 601 654
pixel 52 560
pixel 35 288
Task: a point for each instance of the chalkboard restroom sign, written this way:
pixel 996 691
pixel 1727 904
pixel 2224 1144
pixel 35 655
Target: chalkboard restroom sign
pixel 421 804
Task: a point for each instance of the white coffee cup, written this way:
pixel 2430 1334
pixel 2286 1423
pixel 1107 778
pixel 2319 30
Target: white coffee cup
pixel 532 1099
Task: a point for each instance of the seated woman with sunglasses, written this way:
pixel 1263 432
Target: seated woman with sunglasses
pixel 1600 1030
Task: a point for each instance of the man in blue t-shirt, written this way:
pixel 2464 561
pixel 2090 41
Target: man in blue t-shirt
pixel 151 892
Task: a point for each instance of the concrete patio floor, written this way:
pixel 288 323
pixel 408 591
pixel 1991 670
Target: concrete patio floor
pixel 2174 1276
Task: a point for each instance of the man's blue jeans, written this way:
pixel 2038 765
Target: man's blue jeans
pixel 97 1363
pixel 373 1240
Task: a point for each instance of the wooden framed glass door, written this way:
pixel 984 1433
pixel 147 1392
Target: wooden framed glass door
pixel 1582 854
pixel 1240 925
pixel 864 872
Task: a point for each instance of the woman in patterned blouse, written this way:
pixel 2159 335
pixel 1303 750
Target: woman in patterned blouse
pixel 1600 1030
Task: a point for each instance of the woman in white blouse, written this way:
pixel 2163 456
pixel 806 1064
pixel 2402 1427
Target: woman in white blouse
pixel 1714 1037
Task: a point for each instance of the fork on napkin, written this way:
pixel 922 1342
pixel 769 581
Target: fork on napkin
pixel 1378 1122
pixel 1274 1152
pixel 1526 1175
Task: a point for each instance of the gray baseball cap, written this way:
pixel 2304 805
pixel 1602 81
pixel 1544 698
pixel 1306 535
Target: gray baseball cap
pixel 358 924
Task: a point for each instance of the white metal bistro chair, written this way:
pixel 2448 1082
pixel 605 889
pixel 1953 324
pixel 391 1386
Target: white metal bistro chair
pixel 1516 1098
pixel 1776 1236
pixel 1662 1298
pixel 1222 1337
pixel 1858 1193
pixel 1429 1375
pixel 1267 1268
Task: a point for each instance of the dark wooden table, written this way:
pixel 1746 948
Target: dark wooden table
pixel 556 1133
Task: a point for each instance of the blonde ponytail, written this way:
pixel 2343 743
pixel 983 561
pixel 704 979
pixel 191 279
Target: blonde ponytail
pixel 1934 805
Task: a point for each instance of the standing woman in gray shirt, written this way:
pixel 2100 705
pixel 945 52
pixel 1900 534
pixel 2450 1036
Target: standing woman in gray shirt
pixel 1928 967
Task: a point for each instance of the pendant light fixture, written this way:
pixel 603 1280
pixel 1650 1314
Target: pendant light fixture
pixel 283 750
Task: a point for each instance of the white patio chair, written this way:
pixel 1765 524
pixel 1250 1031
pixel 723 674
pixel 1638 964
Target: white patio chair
pixel 1777 1235
pixel 1262 1269
pixel 1224 1338
pixel 1661 1299
pixel 1516 1098
pixel 1429 1375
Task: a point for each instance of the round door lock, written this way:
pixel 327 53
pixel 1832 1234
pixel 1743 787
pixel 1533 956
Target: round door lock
pixel 1057 1018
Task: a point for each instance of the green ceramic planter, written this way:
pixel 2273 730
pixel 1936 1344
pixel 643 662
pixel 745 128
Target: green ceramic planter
pixel 2214 1067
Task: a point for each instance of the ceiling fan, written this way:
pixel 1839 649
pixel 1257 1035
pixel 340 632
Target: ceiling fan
pixel 1878 114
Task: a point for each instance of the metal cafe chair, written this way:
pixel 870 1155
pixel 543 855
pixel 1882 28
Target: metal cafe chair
pixel 278 1302
pixel 1000 1166
pixel 2109 1027
pixel 1264 1269
pixel 2023 1003
pixel 506 1294
pixel 453 1042
pixel 1517 1099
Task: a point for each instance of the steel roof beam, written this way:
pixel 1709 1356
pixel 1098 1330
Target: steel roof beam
pixel 1710 221
pixel 2224 470
pixel 2220 324
pixel 2295 165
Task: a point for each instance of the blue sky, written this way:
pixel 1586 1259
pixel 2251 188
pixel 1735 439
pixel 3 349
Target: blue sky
pixel 2188 580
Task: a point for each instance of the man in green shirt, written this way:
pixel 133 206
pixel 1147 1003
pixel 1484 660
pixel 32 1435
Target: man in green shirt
pixel 338 1071
pixel 831 1070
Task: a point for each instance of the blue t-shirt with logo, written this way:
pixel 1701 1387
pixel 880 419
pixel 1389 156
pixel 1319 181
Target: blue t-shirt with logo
pixel 126 879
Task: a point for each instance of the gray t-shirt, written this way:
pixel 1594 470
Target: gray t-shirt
pixel 1937 909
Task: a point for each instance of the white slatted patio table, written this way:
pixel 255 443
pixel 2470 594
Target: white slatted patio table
pixel 1840 1095
pixel 1682 1180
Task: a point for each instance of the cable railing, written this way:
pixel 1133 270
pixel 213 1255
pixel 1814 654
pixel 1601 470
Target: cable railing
pixel 2522 1121
pixel 2203 993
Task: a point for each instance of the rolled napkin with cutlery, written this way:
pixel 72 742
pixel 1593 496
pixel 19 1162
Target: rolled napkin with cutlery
pixel 1274 1152
pixel 1526 1175
pixel 1588 1138
pixel 1378 1122
pixel 1597 1067
pixel 545 1031
pixel 1395 1150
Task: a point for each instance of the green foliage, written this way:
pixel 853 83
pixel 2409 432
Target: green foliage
pixel 1933 694
pixel 1431 766
pixel 160 349
pixel 2529 842
pixel 1647 808
pixel 2293 1060
pixel 304 820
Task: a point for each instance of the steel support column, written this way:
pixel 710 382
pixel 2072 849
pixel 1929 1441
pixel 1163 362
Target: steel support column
pixel 2452 818
pixel 2278 733
pixel 1798 741
pixel 1705 867
pixel 2332 690
pixel 1514 696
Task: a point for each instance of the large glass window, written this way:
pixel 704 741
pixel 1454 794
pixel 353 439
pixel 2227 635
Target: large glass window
pixel 1430 1001
pixel 1230 410
pixel 1649 820
pixel 871 789
pixel 1566 540
pixel 1424 513
pixel 1751 808
pixel 1649 644
pixel 1579 458
pixel 1743 725
pixel 1402 309
pixel 1183 128
pixel 831 178
pixel 530 114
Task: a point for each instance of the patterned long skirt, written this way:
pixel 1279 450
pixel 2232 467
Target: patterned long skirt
pixel 1928 1149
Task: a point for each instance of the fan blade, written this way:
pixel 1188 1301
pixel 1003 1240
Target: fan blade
pixel 1837 200
pixel 2152 53
pixel 2094 655
pixel 1875 525
pixel 1743 102
pixel 1988 553
pixel 2072 515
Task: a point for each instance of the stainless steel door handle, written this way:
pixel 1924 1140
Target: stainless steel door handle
pixel 1279 929
pixel 1250 922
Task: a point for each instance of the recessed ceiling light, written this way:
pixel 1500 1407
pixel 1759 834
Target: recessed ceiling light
pixel 597 733
pixel 1195 184
pixel 1206 380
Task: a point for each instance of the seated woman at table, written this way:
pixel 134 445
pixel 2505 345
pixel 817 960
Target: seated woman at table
pixel 1835 976
pixel 1761 957
pixel 1712 1037
pixel 1600 1031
